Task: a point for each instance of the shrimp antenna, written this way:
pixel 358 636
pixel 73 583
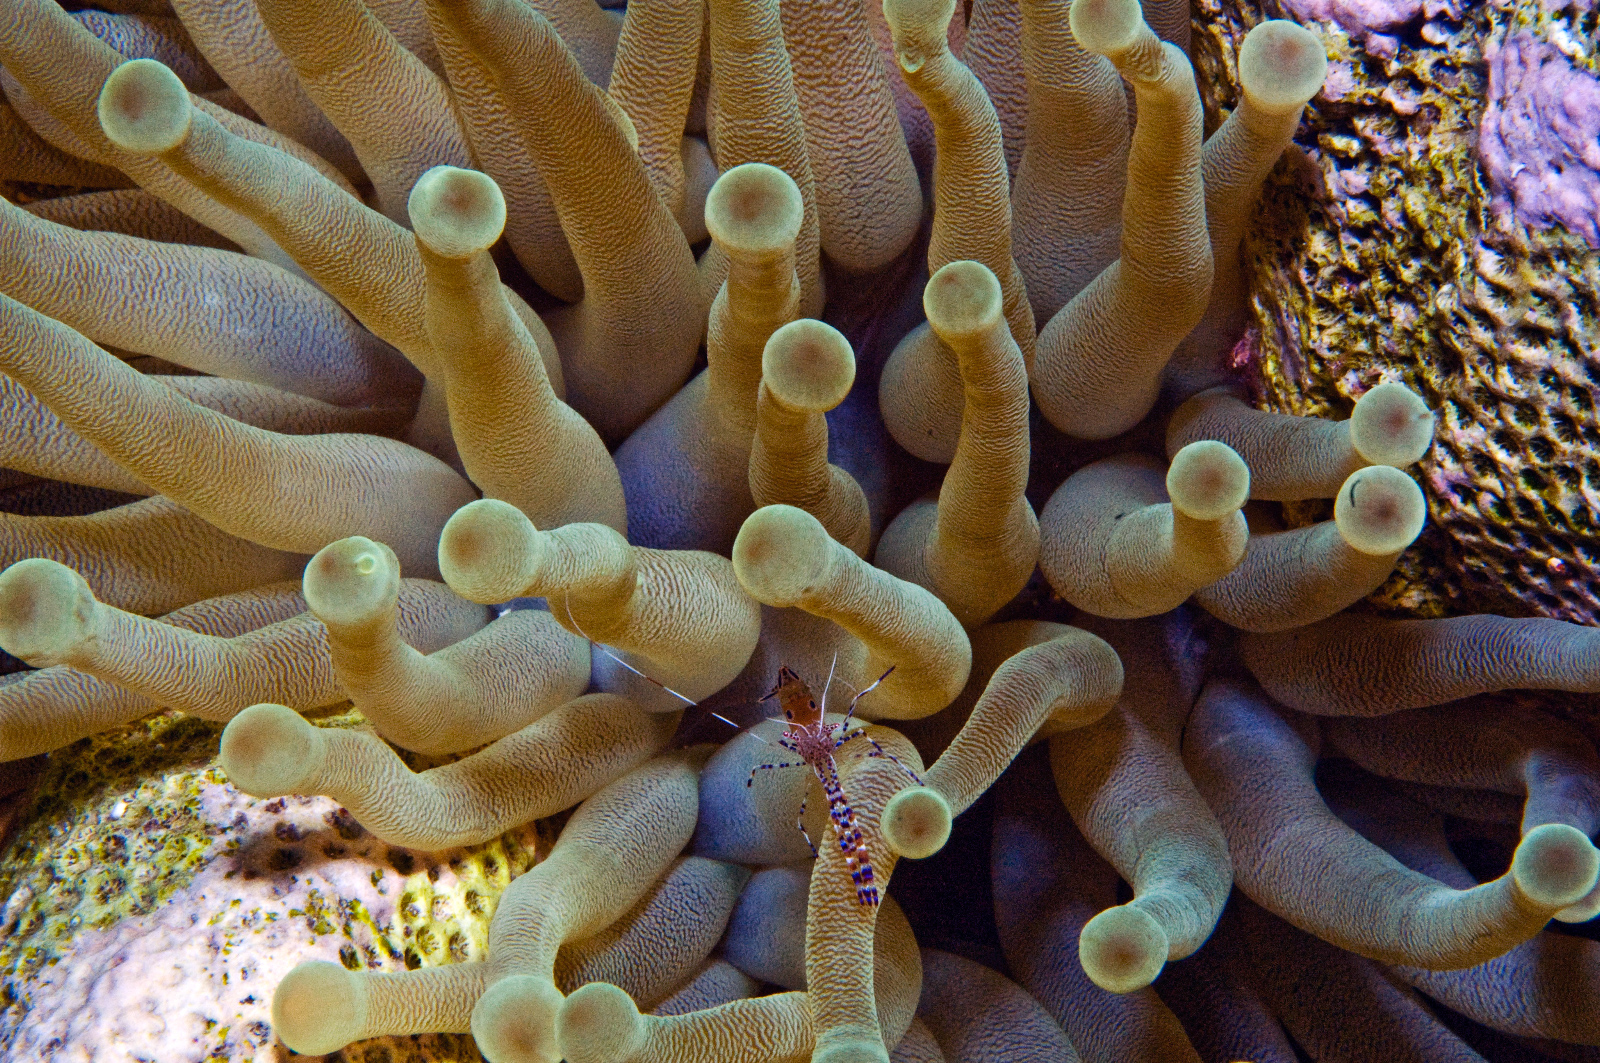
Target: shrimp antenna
pixel 647 678
pixel 829 684
pixel 848 712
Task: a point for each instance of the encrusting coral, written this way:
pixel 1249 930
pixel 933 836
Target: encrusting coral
pixel 320 302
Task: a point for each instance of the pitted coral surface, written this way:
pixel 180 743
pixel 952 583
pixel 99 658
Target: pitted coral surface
pixel 1398 257
pixel 152 908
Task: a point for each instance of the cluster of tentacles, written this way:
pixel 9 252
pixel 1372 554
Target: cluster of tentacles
pixel 378 294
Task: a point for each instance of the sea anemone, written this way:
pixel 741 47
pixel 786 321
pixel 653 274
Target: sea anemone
pixel 364 395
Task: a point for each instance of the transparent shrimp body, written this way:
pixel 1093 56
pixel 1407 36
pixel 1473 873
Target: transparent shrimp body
pixel 814 740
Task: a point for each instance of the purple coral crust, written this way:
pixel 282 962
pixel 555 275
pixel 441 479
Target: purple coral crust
pixel 1356 17
pixel 1540 137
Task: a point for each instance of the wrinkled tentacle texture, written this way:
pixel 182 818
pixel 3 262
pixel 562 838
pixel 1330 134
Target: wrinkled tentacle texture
pixel 1100 358
pixel 680 615
pixel 58 66
pixel 977 545
pixel 1487 746
pixel 516 439
pixel 611 850
pixel 148 557
pixel 1368 666
pixel 1065 681
pixel 533 230
pixel 1288 579
pixel 1123 782
pixel 600 1025
pixel 212 311
pixel 55 706
pixel 328 43
pixel 328 234
pixel 307 489
pixel 269 751
pixel 1066 201
pixel 1307 457
pixel 321 281
pixel 1048 884
pixel 475 691
pixel 807 368
pixel 785 558
pixel 1119 540
pixel 868 202
pixel 653 81
pixel 1281 67
pixel 754 116
pixel 1535 989
pixel 628 344
pixel 975 1013
pixel 921 391
pixel 685 469
pixel 52 618
pixel 1255 769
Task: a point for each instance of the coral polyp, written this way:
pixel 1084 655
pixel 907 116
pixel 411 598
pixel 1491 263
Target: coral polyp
pixel 427 425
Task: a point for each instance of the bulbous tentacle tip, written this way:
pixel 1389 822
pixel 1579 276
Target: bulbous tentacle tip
pixel 1122 949
pixel 46 611
pixel 598 1023
pixel 144 108
pixel 318 1008
pixel 514 1021
pixel 916 822
pixel 1583 911
pixel 780 554
pixel 1391 425
pixel 961 299
pixel 1105 26
pixel 269 751
pixel 918 28
pixel 456 213
pixel 1380 510
pixel 351 581
pixel 808 365
pixel 754 208
pixel 487 551
pixel 1207 480
pixel 1555 866
pixel 1281 66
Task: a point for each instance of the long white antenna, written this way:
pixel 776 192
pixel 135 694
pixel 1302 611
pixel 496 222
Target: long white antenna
pixel 607 651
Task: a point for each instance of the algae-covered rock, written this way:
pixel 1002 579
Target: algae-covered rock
pixel 153 907
pixel 1386 252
